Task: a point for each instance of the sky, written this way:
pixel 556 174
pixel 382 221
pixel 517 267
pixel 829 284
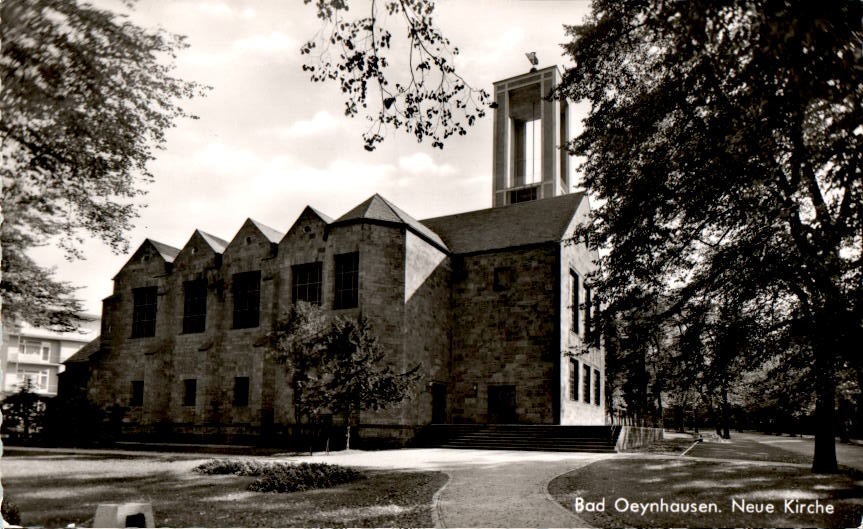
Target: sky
pixel 268 141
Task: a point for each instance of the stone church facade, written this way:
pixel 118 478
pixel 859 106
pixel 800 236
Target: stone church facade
pixel 491 303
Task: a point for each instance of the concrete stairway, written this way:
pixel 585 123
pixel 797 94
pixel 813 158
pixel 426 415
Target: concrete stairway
pixel 520 437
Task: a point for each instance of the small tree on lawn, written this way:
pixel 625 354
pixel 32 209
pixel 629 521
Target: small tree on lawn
pixel 296 342
pixel 352 375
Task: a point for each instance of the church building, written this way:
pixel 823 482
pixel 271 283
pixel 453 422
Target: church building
pixel 491 303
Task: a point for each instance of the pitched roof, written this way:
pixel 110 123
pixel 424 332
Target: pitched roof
pixel 520 224
pixel 324 217
pixel 167 252
pixel 271 234
pixel 379 208
pixel 218 245
pixel 84 353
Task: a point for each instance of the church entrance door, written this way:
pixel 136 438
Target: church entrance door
pixel 501 404
pixel 438 402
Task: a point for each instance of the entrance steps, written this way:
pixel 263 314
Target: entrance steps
pixel 541 437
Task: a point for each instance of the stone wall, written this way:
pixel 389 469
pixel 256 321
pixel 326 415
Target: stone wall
pixel 575 257
pixel 636 436
pixel 504 336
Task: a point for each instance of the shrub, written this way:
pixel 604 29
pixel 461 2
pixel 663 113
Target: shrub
pixel 10 512
pixel 238 467
pixel 296 478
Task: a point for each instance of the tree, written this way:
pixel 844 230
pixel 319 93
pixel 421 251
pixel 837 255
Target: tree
pixel 297 341
pixel 86 98
pixel 432 101
pixel 724 149
pixel 353 375
pixel 23 411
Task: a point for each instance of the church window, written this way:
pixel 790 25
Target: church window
pixel 585 390
pixel 190 387
pixel 194 306
pixel 143 312
pixel 347 280
pixel 241 391
pixel 573 292
pixel 502 278
pixel 247 299
pixel 596 386
pixel 307 280
pixel 136 397
pixel 573 379
pixel 587 307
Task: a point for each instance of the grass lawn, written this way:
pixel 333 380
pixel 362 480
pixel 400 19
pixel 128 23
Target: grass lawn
pixel 53 490
pixel 685 480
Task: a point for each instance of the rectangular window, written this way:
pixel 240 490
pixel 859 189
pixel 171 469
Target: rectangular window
pixel 136 397
pixel 38 378
pixel 347 280
pixel 573 292
pixel 194 306
pixel 190 387
pixel 247 299
pixel 573 379
pixel 46 352
pixel 143 312
pixel 596 387
pixel 307 281
pixel 585 389
pixel 525 194
pixel 587 307
pixel 241 391
pixel 502 278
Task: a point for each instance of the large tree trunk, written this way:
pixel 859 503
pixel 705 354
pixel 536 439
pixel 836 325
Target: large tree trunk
pixel 824 458
pixel 726 433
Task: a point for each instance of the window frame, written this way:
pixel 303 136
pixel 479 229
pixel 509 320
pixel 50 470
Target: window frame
pixel 194 322
pixel 306 271
pixel 574 379
pixel 574 300
pixel 244 401
pixel 346 284
pixel 190 391
pixel 246 288
pixel 144 314
pixel 585 384
pixel 136 395
pixel 597 388
pixel 503 278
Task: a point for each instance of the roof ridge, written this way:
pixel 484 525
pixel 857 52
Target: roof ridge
pixel 270 233
pixel 209 238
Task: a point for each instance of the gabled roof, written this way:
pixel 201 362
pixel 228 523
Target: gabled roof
pixel 84 353
pixel 167 252
pixel 324 217
pixel 379 208
pixel 218 245
pixel 533 222
pixel 271 234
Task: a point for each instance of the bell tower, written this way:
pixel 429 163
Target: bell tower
pixel 529 130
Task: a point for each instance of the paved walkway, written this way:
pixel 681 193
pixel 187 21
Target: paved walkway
pixel 487 488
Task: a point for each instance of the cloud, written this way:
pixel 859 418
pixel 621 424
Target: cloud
pixel 320 123
pixel 274 43
pixel 421 163
pixel 222 10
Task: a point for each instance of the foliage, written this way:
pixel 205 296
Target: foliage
pixel 296 341
pixel 10 512
pixel 724 151
pixel 433 101
pixel 280 477
pixel 354 374
pixel 86 98
pixel 237 467
pixel 23 412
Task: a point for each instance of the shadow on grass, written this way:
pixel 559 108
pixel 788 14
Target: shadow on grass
pixel 686 481
pixel 181 498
